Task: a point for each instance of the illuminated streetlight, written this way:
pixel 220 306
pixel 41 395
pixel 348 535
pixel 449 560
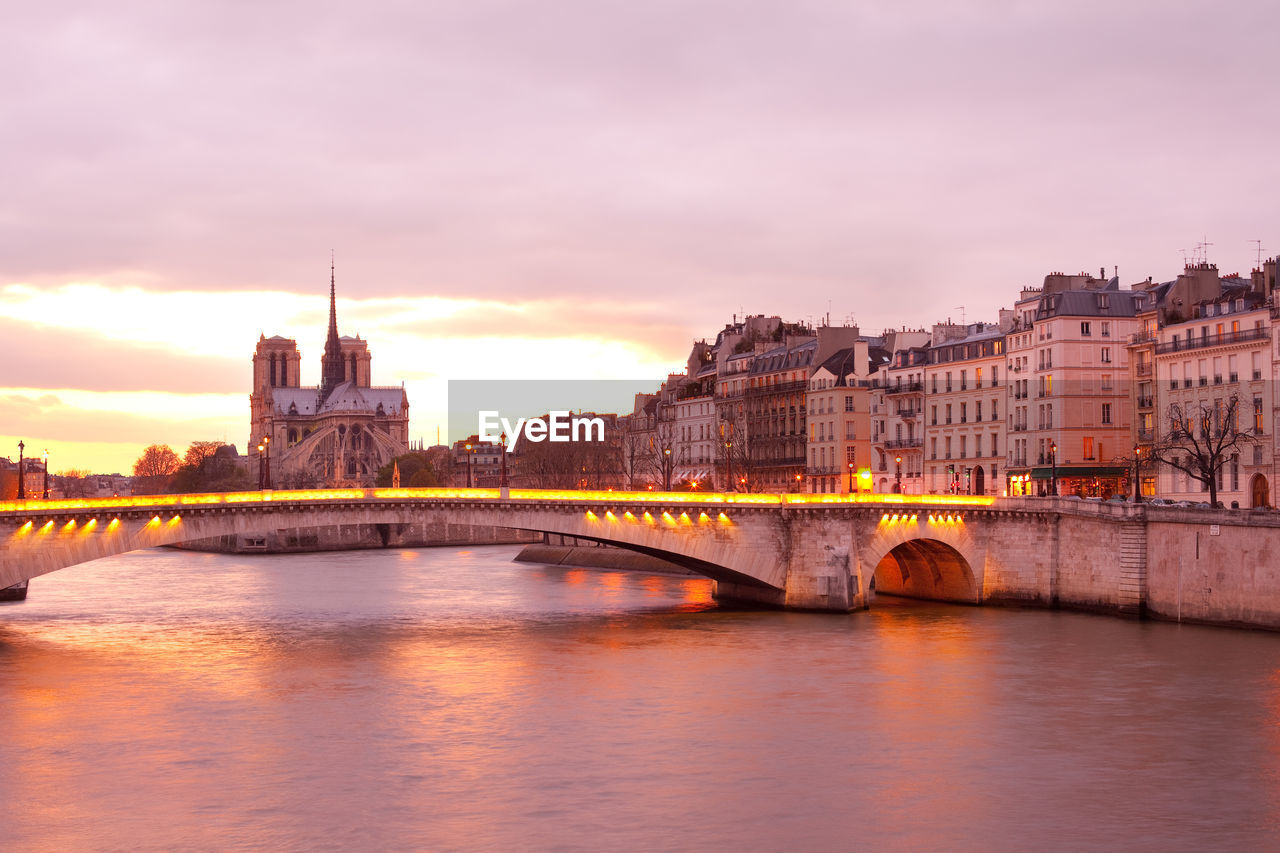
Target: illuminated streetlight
pixel 46 475
pixel 22 494
pixel 1053 462
pixel 850 478
pixel 468 449
pixel 897 486
pixel 1137 460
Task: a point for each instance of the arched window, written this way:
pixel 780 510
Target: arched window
pixel 272 360
pixel 352 375
pixel 284 371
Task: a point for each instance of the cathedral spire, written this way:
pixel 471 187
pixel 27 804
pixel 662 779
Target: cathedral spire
pixel 332 369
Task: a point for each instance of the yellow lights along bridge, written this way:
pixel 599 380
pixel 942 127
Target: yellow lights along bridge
pixel 176 502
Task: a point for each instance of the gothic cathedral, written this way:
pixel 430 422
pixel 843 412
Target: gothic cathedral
pixel 337 434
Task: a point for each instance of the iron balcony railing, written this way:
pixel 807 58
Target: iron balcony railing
pixel 905 388
pixel 903 442
pixel 1204 341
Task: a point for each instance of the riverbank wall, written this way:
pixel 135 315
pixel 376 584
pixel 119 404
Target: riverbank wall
pixel 558 550
pixel 353 537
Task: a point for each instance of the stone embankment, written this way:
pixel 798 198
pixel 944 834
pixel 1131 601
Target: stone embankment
pixel 558 550
pixel 353 537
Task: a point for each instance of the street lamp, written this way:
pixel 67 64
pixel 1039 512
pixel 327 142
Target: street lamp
pixel 728 458
pixel 666 469
pixel 1053 462
pixel 850 478
pixel 22 493
pixel 468 449
pixel 897 485
pixel 1137 460
pixel 502 439
pixel 799 477
pixel 266 460
pixel 46 475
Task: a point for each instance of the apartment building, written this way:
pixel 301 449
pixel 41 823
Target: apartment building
pixel 965 403
pixel 1070 416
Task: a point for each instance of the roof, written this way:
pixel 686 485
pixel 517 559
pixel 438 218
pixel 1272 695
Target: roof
pixel 1087 303
pixel 345 397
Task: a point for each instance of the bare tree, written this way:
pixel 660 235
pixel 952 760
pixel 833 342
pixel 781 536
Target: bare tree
pixel 1200 440
pixel 158 460
pixel 662 452
pixel 733 454
pixel 154 468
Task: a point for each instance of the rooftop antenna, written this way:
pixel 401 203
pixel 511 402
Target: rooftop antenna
pixel 1258 243
pixel 1205 247
pixel 1184 258
pixel 959 308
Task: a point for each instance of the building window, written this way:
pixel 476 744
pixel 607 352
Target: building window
pixel 964 413
pixel 1106 413
pixel 1088 447
pixel 1106 355
pixel 848 403
pixel 1084 328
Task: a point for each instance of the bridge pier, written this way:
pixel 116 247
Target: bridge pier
pixel 821 571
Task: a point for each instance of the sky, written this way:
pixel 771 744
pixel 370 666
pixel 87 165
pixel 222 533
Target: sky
pixel 578 189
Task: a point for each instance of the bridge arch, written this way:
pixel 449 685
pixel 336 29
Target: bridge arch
pixel 926 568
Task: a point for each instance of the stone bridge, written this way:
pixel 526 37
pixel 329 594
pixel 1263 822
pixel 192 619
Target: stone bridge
pixel 805 552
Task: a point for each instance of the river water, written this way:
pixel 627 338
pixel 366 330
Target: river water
pixel 451 699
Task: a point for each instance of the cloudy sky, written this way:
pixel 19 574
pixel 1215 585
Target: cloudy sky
pixel 577 189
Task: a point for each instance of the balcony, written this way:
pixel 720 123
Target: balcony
pixel 1143 368
pixel 899 443
pixel 1204 341
pixel 905 388
pixel 908 414
pixel 1146 435
pixel 1145 402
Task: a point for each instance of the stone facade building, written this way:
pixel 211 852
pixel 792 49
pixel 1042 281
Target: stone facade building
pixel 338 433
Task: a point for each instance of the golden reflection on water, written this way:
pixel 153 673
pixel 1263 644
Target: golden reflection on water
pixel 422 700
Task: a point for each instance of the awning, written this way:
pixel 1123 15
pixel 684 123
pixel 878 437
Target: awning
pixel 1046 473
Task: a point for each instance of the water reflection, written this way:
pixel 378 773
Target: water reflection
pixel 441 699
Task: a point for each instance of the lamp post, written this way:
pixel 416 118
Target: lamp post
pixel 850 478
pixel 1053 462
pixel 728 458
pixel 1137 460
pixel 666 469
pixel 266 461
pixel 262 479
pixel 468 449
pixel 502 439
pixel 46 475
pixel 799 478
pixel 22 492
pixel 897 484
